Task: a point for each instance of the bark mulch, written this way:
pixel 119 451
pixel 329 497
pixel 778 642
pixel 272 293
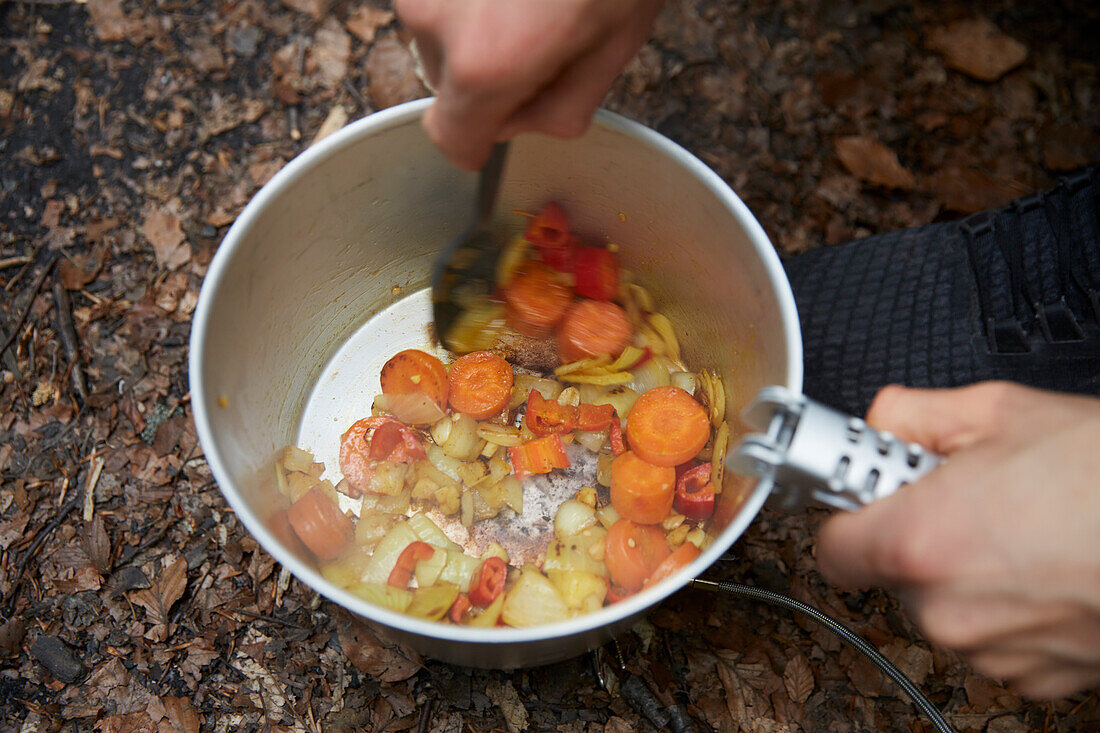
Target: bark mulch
pixel 132 133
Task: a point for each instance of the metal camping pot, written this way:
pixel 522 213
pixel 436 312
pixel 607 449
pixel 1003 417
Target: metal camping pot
pixel 324 274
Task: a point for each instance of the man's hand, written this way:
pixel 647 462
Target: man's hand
pixel 997 551
pixel 502 67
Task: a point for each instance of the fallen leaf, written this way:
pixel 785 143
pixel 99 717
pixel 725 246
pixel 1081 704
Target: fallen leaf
pixel 180 716
pixel 872 161
pixel 162 229
pixel 798 678
pixel 97 545
pixel 328 54
pixel 51 215
pixel 316 8
pixel 366 21
pixel 386 661
pixel 112 24
pixel 507 699
pixel 158 599
pixel 977 48
pixel 391 71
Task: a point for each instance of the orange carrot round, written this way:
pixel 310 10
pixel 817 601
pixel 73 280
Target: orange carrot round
pixel 413 373
pixel 481 383
pixel 632 552
pixel 320 524
pixel 535 301
pixel 640 491
pixel 667 427
pixel 683 555
pixel 593 327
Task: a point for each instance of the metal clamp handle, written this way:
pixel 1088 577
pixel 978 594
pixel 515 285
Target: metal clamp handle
pixel 808 451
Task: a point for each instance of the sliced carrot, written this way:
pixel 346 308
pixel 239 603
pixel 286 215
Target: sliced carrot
pixel 535 301
pixel 640 491
pixel 481 383
pixel 682 556
pixel 667 426
pixel 320 524
pixel 414 372
pixel 591 328
pixel 632 552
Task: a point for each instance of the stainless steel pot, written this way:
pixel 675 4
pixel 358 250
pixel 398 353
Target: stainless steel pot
pixel 323 277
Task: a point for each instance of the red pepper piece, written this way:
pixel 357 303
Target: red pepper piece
pixel 695 493
pixel 595 417
pixel 549 231
pixel 597 273
pixel 459 608
pixel 540 455
pixel 618 445
pixel 547 416
pixel 406 563
pixel 392 441
pixel 488 581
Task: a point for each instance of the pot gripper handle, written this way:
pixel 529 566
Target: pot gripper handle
pixel 809 452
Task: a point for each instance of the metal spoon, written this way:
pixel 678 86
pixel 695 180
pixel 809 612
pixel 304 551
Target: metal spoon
pixel 466 267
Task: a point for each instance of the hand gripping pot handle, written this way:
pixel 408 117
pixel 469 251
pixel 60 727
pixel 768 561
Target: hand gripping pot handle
pixel 809 452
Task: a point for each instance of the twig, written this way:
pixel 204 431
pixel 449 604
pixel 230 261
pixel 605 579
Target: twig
pixel 269 619
pixel 89 489
pixel 69 339
pixel 13 261
pixel 30 301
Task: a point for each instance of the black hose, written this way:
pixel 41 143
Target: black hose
pixel 889 668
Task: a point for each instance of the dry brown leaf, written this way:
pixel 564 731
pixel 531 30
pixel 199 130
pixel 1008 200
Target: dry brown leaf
pixel 158 599
pixel 163 230
pixel 316 8
pixel 798 679
pixel 391 70
pixel 977 48
pixel 615 724
pixel 97 545
pixel 385 661
pixel 872 161
pixel 328 54
pixel 112 24
pixel 180 717
pixel 366 21
pixel 507 699
pixel 135 722
pixel 79 270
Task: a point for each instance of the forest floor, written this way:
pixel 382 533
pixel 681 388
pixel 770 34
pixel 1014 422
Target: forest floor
pixel 131 136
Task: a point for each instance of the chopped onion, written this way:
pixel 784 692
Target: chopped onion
pixel 593 441
pixel 444 463
pixel 572 518
pixel 513 493
pixel 653 372
pixel 461 441
pixel 718 461
pixel 607 516
pixel 498 434
pixel 569 397
pixel 411 409
pixel 621 398
pixel 684 380
pixel 524 383
pixel 388 478
pixel 590 392
pixel 603 469
pixel 467 509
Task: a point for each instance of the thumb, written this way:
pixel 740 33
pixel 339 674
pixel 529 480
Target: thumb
pixel 942 420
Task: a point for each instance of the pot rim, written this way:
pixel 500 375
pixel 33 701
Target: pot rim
pixel 216 273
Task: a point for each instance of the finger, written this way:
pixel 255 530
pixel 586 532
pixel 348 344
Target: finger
pixel 564 107
pixel 1057 680
pixel 942 420
pixel 974 620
